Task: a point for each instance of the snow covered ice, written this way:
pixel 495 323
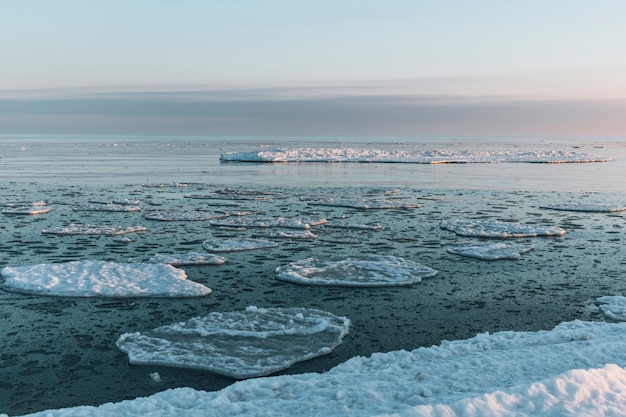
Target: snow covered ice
pixel 574 369
pixel 494 251
pixel 613 306
pixel 239 344
pixel 102 279
pixel 498 229
pixel 366 271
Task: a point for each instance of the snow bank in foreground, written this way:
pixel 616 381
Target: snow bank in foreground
pixel 102 279
pixel 364 271
pixel 495 251
pixel 413 157
pixel 242 344
pixel 562 372
pixel 498 229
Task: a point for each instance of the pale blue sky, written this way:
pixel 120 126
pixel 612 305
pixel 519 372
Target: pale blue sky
pixel 75 63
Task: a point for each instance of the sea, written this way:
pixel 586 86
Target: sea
pixel 60 351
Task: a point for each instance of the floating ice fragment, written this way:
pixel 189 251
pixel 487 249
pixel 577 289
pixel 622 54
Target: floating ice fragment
pixel 106 207
pixel 102 279
pixel 495 251
pixel 191 258
pixel 236 244
pixel 368 270
pixel 27 210
pixel 364 204
pixel 87 229
pixel 167 185
pixel 498 229
pixel 613 307
pixel 306 234
pixel 263 222
pixel 355 226
pixel 240 344
pixel 182 215
pixel 414 157
pixel 600 208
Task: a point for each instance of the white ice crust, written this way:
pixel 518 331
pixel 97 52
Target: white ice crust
pixel 491 252
pixel 182 215
pixel 102 279
pixel 599 208
pixel 360 271
pixel 498 229
pixel 88 229
pixel 192 258
pixel 576 369
pixel 240 344
pixel 613 307
pixel 236 244
pixel 414 157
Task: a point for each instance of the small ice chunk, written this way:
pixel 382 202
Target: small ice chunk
pixel 191 258
pixel 182 215
pixel 364 204
pixel 236 244
pixel 498 229
pixel 87 229
pixel 102 279
pixel 306 234
pixel 27 210
pixel 239 344
pixel 599 208
pixel 107 207
pixel 613 307
pixel 495 251
pixel 369 270
pixel 263 222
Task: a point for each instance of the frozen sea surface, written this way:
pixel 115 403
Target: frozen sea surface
pixel 60 351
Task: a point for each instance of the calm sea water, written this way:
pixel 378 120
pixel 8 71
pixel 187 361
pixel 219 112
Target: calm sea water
pixel 162 159
pixel 60 351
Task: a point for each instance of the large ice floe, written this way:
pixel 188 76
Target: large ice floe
pixel 363 204
pixel 368 270
pixel 239 344
pixel 102 279
pixel 613 307
pixel 88 229
pixel 600 208
pixel 414 157
pixel 187 259
pixel 575 369
pixel 262 222
pixel 491 252
pixel 182 215
pixel 498 229
pixel 236 244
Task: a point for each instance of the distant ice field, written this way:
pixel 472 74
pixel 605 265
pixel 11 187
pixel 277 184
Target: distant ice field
pixel 65 346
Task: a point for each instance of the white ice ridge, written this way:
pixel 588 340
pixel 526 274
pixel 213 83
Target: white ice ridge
pixel 106 207
pixel 236 244
pixel 613 307
pixel 413 157
pixel 240 344
pixel 492 252
pixel 290 223
pixel 27 210
pixel 87 229
pixel 182 215
pixel 575 369
pixel 600 208
pixel 368 270
pixel 498 229
pixel 364 204
pixel 102 279
pixel 183 259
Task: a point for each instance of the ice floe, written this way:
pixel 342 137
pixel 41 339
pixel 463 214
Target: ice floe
pixel 168 216
pixel 575 369
pixel 239 344
pixel 262 222
pixel 498 229
pixel 368 270
pixel 600 208
pixel 106 207
pixel 102 279
pixel 184 259
pixel 165 185
pixel 364 204
pixel 613 307
pixel 88 229
pixel 236 244
pixel 306 234
pixel 414 157
pixel 492 252
pixel 27 210
pixel 355 226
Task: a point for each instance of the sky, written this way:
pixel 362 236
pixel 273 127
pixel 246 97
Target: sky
pixel 343 67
